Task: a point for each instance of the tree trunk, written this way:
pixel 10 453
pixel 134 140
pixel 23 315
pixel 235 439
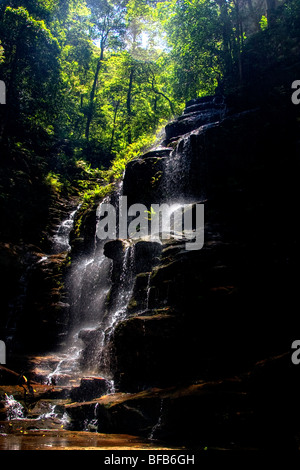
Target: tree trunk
pixel 239 38
pixel 128 105
pixel 254 16
pixel 227 35
pixel 271 6
pixel 90 111
pixel 114 127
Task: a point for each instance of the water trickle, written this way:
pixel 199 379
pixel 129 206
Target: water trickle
pixel 91 425
pixel 67 367
pixel 61 237
pixel 117 312
pixel 125 287
pixel 88 284
pixel 176 171
pixel 158 425
pixel 148 289
pixel 14 408
pixel 55 413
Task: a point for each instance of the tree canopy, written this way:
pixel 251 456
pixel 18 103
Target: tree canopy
pixel 94 80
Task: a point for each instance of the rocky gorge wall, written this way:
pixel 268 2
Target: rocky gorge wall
pixel 212 312
pixel 202 354
pixel 196 343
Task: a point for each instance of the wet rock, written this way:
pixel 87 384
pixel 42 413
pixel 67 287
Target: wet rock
pixel 203 100
pixel 138 301
pixel 10 377
pixel 45 304
pixel 55 438
pixel 141 180
pixel 205 413
pixel 157 153
pixel 115 250
pixel 46 409
pixel 82 237
pixel 146 350
pixel 188 123
pixel 146 255
pixel 11 263
pixel 90 388
pixel 196 108
pixel 28 394
pixel 274 386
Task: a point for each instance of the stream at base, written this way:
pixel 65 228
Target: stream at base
pixel 59 407
pixel 59 439
pixel 35 412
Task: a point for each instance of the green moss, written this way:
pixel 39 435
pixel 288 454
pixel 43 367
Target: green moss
pixel 90 200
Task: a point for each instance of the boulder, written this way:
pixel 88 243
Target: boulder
pixel 159 152
pixel 115 250
pixel 191 122
pixel 146 351
pixel 146 254
pixel 90 388
pixel 141 180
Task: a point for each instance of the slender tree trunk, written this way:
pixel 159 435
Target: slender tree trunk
pixel 114 127
pixel 239 38
pixel 227 35
pixel 90 112
pixel 254 16
pixel 10 109
pixel 128 105
pixel 271 6
pixel 164 96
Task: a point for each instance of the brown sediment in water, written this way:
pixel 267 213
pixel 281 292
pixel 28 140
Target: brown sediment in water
pixel 73 440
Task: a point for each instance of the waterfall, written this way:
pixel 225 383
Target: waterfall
pixel 159 423
pixel 14 408
pixel 87 284
pixel 91 323
pixel 61 237
pixel 176 172
pixel 124 289
pixel 93 277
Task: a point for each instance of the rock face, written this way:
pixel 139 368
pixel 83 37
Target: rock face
pixel 192 339
pixel 142 177
pixel 209 313
pixel 245 412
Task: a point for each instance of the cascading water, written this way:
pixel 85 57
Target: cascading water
pixel 92 322
pixel 158 425
pixel 14 408
pixel 61 237
pixel 125 288
pixel 87 285
pixel 175 174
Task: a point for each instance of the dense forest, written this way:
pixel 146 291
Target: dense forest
pixel 90 84
pixel 179 100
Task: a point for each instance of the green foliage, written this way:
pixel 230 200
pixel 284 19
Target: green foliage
pixel 2 57
pixel 127 154
pixel 194 35
pixel 90 83
pixel 53 181
pixel 263 23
